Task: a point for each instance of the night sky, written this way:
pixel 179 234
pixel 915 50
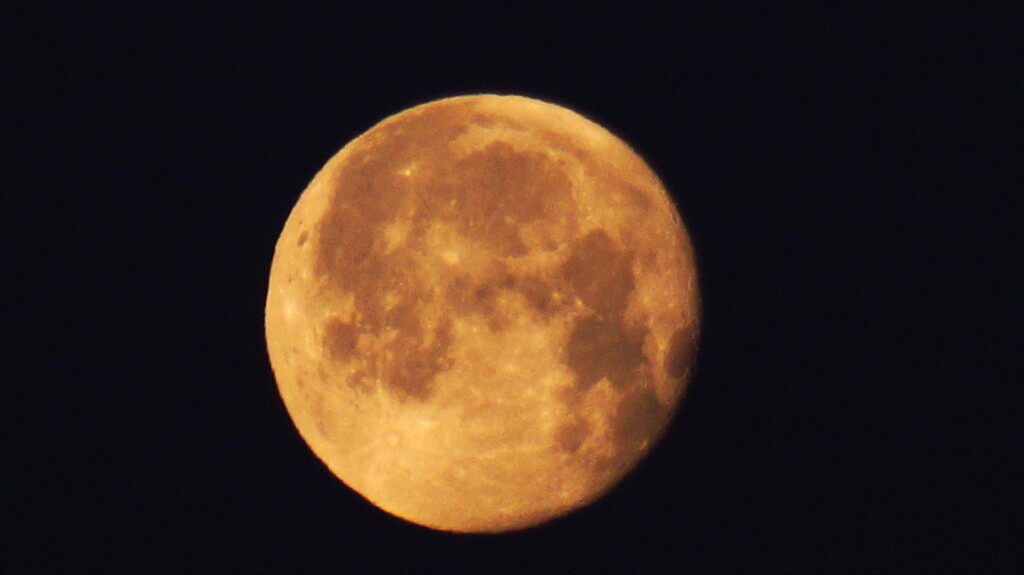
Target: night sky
pixel 835 171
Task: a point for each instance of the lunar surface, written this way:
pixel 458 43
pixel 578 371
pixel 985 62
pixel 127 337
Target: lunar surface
pixel 482 313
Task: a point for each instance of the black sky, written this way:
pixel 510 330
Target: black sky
pixel 835 169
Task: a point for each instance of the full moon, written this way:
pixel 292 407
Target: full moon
pixel 482 313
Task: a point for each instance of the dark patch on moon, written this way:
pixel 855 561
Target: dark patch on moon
pixel 602 345
pixel 369 187
pixel 350 227
pixel 639 417
pixel 566 144
pixel 538 293
pixel 571 436
pixel 636 198
pixel 411 367
pixel 420 137
pixel 600 274
pixel 469 295
pixel 489 193
pixel 490 120
pixel 415 365
pixel 679 354
pixel 599 348
pixel 340 340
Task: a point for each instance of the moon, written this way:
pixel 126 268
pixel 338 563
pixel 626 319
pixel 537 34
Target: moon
pixel 482 313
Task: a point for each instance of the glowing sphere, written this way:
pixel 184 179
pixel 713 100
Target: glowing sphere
pixel 482 313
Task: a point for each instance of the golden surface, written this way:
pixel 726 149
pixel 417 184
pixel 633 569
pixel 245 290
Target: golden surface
pixel 482 313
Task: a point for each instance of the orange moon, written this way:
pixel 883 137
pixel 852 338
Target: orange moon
pixel 482 313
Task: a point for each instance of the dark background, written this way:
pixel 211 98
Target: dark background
pixel 835 168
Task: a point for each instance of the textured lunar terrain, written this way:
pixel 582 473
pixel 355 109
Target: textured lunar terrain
pixel 482 313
